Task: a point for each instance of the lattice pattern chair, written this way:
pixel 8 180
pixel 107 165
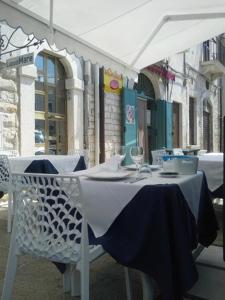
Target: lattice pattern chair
pixel 202 152
pixel 6 186
pixel 157 156
pixel 177 151
pixel 50 222
pixel 9 153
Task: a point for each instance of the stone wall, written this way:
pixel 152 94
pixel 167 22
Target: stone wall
pixel 89 121
pixel 9 108
pixel 113 122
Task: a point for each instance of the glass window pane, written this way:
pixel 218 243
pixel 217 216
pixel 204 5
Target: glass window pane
pixel 61 105
pixel 51 100
pixel 39 137
pixel 51 71
pixel 52 137
pixel 61 132
pixel 39 62
pixel 39 102
pixel 39 81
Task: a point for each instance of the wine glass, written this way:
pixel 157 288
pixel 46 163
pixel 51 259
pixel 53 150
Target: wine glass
pixel 137 155
pixel 120 153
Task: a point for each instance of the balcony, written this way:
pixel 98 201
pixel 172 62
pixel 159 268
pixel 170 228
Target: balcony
pixel 213 64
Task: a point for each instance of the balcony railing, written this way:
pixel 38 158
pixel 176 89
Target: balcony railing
pixel 214 50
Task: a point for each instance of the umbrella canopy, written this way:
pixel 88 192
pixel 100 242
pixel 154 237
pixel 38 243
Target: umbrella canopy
pixel 134 33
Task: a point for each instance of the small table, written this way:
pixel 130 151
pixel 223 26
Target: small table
pixel 212 165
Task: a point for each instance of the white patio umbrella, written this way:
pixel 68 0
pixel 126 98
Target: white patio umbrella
pixel 134 33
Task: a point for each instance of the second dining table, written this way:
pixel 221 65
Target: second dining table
pixel 212 165
pixel 51 164
pixel 152 224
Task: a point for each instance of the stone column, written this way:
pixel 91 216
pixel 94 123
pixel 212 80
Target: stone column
pixel 27 109
pixel 75 123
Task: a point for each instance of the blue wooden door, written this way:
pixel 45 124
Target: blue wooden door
pixel 169 125
pixel 162 117
pixel 129 116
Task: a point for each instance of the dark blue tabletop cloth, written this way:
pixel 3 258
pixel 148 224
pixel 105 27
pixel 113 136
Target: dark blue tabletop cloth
pixel 156 233
pixel 46 167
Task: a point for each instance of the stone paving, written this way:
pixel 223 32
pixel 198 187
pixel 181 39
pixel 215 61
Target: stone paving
pixel 37 279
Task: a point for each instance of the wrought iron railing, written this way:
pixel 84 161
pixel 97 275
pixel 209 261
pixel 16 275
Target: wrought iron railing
pixel 214 50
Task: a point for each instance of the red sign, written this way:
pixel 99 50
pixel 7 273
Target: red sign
pixel 162 71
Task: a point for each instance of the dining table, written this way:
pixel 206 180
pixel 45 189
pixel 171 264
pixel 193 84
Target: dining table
pixel 212 165
pixel 151 223
pixel 51 164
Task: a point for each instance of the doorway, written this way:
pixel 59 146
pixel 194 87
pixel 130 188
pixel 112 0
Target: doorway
pixel 50 106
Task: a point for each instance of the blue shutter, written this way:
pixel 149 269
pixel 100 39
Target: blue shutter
pixel 162 117
pixel 169 125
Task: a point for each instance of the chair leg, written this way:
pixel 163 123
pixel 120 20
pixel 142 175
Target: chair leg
pixel 148 287
pixel 10 270
pixel 10 211
pixel 85 281
pixel 75 282
pixel 66 279
pixel 128 283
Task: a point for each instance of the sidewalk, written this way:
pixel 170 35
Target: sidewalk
pixel 39 279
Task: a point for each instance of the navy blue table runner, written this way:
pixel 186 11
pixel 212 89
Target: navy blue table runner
pixel 156 233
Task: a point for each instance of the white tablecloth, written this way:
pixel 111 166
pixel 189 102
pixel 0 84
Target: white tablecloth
pixel 62 163
pixel 212 165
pixel 106 199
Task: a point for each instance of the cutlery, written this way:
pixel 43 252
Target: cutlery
pixel 133 180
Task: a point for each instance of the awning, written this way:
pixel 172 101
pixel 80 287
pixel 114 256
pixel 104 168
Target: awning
pixel 129 33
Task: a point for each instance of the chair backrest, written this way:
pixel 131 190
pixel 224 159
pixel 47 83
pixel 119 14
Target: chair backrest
pixel 177 151
pixel 49 219
pixel 80 152
pixel 5 174
pixel 157 156
pixel 9 153
pixel 202 152
pixel 187 165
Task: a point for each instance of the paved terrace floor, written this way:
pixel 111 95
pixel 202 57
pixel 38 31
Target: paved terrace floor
pixel 38 279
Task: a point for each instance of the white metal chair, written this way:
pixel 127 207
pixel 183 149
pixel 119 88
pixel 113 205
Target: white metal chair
pixel 177 151
pixel 202 152
pixel 157 156
pixel 50 222
pixel 6 186
pixel 9 153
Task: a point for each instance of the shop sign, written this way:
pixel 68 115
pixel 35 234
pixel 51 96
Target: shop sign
pixel 19 61
pixel 112 82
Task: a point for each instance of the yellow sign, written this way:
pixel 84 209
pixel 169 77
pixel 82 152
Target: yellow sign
pixel 112 82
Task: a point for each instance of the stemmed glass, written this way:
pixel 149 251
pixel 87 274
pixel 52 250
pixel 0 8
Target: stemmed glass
pixel 137 155
pixel 120 153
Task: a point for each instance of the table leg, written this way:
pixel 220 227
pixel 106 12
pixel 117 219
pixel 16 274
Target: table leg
pixel 148 287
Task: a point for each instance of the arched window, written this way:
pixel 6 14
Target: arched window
pixel 144 86
pixel 50 106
